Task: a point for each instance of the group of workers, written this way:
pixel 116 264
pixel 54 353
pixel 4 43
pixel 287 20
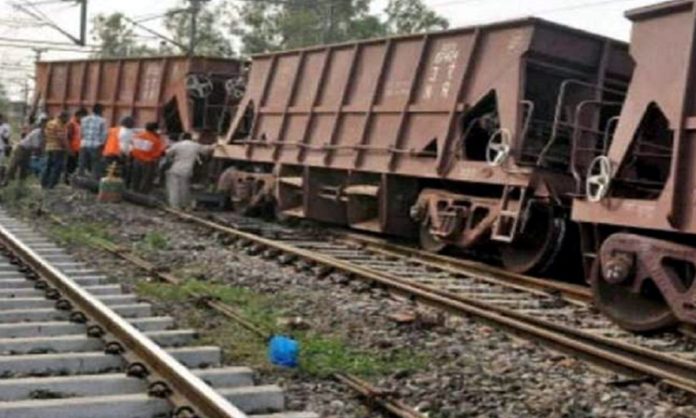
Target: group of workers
pixel 81 143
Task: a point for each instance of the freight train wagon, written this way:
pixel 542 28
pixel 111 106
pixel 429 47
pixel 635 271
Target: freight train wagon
pixel 193 94
pixel 639 213
pixel 474 137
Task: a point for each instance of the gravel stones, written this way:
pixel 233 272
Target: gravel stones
pixel 472 370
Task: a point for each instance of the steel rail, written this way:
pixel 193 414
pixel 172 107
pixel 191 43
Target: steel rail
pixel 601 350
pixel 372 394
pixel 200 396
pixel 455 265
pixel 607 352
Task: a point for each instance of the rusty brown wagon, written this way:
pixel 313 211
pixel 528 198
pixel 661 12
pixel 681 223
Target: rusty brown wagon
pixel 639 212
pixel 194 94
pixel 463 137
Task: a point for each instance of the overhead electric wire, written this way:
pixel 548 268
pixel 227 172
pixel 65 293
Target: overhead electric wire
pixel 581 5
pixel 26 7
pixel 53 48
pixel 41 3
pixel 155 33
pixel 158 15
pixel 46 43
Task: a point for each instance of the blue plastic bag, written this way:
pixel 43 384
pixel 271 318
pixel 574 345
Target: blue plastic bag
pixel 283 351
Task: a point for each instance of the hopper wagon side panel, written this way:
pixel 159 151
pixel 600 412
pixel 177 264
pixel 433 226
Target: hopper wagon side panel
pixel 149 89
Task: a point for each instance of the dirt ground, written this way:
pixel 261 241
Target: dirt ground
pixel 443 366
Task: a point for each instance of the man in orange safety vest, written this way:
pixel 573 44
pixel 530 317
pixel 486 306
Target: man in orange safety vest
pixel 118 145
pixel 148 146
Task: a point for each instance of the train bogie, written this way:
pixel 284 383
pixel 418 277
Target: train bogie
pixel 638 214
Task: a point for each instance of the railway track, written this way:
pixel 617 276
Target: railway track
pixel 74 345
pixel 557 314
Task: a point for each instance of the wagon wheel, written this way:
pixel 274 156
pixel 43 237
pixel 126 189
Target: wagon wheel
pixel 241 196
pixel 598 179
pixel 241 206
pixel 498 148
pixel 199 86
pixel 535 249
pixel 428 241
pixel 249 199
pixel 636 304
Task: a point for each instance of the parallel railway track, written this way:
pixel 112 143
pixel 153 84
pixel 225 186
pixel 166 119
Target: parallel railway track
pixel 557 314
pixel 74 345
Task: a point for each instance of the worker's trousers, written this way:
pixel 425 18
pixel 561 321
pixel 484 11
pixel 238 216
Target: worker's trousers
pixel 19 163
pixel 142 176
pixel 178 191
pixel 90 159
pixel 55 162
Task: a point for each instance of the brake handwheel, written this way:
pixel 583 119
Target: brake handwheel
pixel 235 87
pixel 499 147
pixel 598 179
pixel 199 86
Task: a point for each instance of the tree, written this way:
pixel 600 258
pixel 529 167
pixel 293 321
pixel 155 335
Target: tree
pixel 412 16
pixel 300 23
pixel 259 32
pixel 213 28
pixel 116 37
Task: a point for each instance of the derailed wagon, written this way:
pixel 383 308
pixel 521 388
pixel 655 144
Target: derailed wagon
pixel 194 94
pixel 468 137
pixel 639 215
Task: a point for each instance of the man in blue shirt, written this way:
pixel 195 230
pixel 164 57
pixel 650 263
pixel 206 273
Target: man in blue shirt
pixel 93 130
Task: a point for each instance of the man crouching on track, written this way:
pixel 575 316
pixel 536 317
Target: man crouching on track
pixel 148 147
pixel 183 155
pixel 20 160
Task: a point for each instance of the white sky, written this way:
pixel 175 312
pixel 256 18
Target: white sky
pixel 599 16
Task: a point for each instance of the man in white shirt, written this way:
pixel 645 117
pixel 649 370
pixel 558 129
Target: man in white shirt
pixel 21 155
pixel 183 155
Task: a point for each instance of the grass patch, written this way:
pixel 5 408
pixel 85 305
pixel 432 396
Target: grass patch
pixel 80 234
pixel 252 306
pixel 153 241
pixel 21 196
pixel 320 355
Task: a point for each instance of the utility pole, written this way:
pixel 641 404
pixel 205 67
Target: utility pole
pixel 82 39
pixel 38 52
pixel 329 31
pixel 193 28
pixel 83 22
pixel 25 104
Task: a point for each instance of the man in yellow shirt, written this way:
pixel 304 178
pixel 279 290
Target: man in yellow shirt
pixel 56 146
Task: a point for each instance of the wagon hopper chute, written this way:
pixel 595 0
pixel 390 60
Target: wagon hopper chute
pixel 467 137
pixel 193 94
pixel 639 206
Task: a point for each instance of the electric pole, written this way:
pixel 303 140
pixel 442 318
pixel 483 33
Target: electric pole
pixel 82 39
pixel 330 22
pixel 25 104
pixel 38 52
pixel 83 22
pixel 195 10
